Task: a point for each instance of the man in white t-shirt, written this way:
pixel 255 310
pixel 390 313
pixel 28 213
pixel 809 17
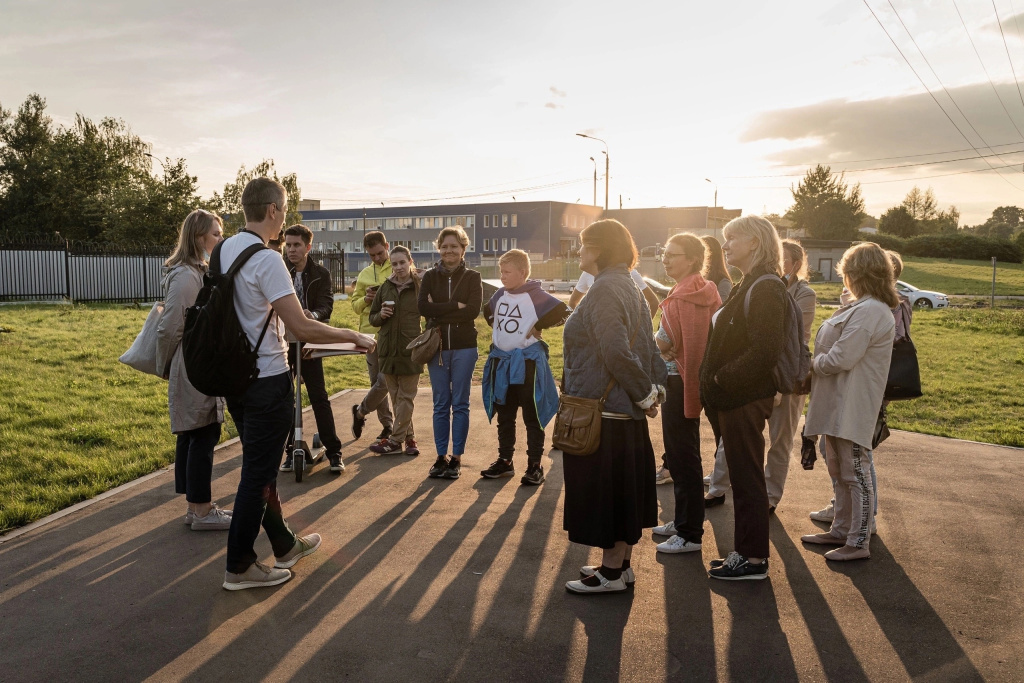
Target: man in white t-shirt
pixel 263 414
pixel 586 280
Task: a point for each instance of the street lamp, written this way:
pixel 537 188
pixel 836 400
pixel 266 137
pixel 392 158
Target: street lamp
pixel 159 161
pixel 607 163
pixel 716 190
pixel 595 179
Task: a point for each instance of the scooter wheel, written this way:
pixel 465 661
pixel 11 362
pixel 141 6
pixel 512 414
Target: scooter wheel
pixel 299 463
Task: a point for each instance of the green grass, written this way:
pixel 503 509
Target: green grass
pixel 74 422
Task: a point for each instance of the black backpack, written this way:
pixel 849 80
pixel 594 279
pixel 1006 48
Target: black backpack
pixel 795 361
pixel 219 360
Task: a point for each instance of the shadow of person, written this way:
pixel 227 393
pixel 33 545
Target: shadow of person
pixel 758 649
pixel 604 619
pixel 690 632
pixel 917 633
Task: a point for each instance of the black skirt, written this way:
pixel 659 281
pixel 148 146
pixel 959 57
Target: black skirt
pixel 610 495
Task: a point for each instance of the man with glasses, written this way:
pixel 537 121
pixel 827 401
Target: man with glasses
pixel 370 278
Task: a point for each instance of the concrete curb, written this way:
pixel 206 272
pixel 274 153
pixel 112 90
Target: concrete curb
pixel 60 514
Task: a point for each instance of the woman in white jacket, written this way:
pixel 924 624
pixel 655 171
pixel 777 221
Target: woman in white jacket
pixel 195 417
pixel 851 364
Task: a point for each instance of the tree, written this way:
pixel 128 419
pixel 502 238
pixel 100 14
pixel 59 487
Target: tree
pixel 920 205
pixel 824 207
pixel 898 221
pixel 1010 215
pixel 229 204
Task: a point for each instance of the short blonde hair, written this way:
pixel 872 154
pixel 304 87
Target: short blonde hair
pixel 796 252
pixel 188 252
pixel 768 248
pixel 517 258
pixel 612 241
pixel 258 194
pixel 458 232
pixel 867 271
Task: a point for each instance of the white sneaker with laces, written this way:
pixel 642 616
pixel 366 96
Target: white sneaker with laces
pixel 215 520
pixel 678 544
pixel 663 476
pixel 827 514
pixel 256 576
pixel 667 529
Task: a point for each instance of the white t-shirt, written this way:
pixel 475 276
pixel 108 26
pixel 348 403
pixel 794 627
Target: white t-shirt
pixel 261 281
pixel 586 280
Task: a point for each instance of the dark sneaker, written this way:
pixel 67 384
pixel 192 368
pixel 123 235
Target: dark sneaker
pixel 358 422
pixel 307 545
pixel 384 434
pixel 410 447
pixel 286 466
pixel 256 576
pixel 386 446
pixel 534 476
pixel 499 468
pixel 337 465
pixel 736 568
pixel 440 465
pixel 454 469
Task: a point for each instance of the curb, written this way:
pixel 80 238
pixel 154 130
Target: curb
pixel 60 514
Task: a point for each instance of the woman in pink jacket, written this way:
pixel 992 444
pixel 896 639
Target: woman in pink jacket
pixel 685 322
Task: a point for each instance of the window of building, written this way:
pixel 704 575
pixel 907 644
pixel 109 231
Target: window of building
pixel 487 220
pixel 504 244
pixel 565 221
pixel 470 222
pixel 487 244
pixel 515 221
pixel 504 220
pixel 494 220
pixel 513 242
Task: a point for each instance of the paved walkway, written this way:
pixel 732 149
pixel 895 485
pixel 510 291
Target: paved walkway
pixel 423 580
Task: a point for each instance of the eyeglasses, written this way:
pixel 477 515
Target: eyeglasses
pixel 671 255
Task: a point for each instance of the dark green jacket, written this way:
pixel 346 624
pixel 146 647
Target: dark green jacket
pixel 397 331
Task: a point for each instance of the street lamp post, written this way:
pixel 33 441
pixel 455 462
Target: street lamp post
pixel 716 190
pixel 607 164
pixel 595 179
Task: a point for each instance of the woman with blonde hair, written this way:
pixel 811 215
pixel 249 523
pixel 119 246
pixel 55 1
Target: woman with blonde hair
pixel 852 351
pixel 737 387
pixel 195 417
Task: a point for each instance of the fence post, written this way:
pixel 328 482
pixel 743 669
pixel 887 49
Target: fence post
pixel 145 283
pixel 67 268
pixel 342 271
pixel 993 282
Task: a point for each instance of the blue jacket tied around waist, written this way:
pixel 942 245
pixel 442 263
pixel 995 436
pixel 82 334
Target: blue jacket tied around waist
pixel 509 367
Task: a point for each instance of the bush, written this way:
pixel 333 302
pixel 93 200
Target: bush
pixel 958 246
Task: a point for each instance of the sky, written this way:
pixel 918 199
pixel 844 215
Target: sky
pixel 402 102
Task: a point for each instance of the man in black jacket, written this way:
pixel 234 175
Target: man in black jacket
pixel 313 287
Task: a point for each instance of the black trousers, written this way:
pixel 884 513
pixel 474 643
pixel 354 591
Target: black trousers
pixel 743 437
pixel 193 462
pixel 520 396
pixel 313 378
pixel 263 417
pixel 682 457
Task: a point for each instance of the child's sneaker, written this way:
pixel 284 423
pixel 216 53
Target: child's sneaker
pixel 499 468
pixel 410 447
pixel 534 475
pixel 386 446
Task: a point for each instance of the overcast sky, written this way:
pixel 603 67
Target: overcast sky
pixel 400 100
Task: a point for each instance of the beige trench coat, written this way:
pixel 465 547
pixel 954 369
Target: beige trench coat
pixel 852 351
pixel 189 408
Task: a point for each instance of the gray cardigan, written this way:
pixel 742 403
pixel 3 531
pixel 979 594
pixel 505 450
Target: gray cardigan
pixel 596 347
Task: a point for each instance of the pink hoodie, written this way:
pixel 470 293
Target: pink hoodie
pixel 686 316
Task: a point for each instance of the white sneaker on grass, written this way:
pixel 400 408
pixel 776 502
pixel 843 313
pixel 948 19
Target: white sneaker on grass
pixel 678 544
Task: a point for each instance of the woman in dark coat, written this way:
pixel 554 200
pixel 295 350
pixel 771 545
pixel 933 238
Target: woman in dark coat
pixel 610 495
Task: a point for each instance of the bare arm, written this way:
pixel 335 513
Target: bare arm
pixel 308 330
pixel 575 298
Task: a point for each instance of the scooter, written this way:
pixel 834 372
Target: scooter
pixel 303 457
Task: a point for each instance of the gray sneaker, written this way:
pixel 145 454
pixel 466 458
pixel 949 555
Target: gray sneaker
pixel 307 545
pixel 215 520
pixel 189 516
pixel 257 575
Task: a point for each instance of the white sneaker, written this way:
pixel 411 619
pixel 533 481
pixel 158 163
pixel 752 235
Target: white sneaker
pixel 627 574
pixel 707 480
pixel 257 575
pixel 663 476
pixel 606 586
pixel 828 514
pixel 678 544
pixel 667 529
pixel 215 520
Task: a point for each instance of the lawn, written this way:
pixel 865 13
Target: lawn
pixel 74 422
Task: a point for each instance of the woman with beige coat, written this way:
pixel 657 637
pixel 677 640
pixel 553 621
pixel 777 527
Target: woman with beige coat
pixel 852 351
pixel 195 417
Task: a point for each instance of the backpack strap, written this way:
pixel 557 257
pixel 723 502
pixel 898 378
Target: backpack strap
pixel 750 290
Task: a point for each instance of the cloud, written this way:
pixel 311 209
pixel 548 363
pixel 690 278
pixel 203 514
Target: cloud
pixel 552 105
pixel 557 93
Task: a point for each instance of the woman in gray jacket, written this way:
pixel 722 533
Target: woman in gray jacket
pixel 610 495
pixel 852 351
pixel 195 417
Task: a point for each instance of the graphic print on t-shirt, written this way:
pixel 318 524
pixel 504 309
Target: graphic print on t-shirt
pixel 508 321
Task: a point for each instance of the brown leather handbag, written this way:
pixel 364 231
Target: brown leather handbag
pixel 578 421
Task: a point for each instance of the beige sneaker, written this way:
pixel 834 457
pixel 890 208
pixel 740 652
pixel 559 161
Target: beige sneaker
pixel 257 575
pixel 215 520
pixel 307 545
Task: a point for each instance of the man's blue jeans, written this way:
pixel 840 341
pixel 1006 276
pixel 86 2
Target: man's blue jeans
pixel 450 382
pixel 263 417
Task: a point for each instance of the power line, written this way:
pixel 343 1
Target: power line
pixel 899 156
pixel 999 22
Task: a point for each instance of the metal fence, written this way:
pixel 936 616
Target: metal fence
pixel 45 269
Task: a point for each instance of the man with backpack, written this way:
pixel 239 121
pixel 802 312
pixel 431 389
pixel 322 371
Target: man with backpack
pixel 265 303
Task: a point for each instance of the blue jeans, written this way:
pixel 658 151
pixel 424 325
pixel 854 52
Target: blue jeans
pixel 263 417
pixel 450 382
pixel 193 462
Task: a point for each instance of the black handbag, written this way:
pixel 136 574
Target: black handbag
pixel 904 381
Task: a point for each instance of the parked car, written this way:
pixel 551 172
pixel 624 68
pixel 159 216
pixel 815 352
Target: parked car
pixel 920 298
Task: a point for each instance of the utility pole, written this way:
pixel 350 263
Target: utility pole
pixel 595 179
pixel 607 164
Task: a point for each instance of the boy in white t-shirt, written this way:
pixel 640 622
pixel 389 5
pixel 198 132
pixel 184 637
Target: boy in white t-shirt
pixel 586 280
pixel 263 414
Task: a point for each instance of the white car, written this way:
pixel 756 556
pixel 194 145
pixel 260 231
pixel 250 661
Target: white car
pixel 920 298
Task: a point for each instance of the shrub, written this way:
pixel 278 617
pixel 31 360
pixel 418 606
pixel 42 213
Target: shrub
pixel 884 241
pixel 964 247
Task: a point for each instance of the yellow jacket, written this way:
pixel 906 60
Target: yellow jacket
pixel 370 276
